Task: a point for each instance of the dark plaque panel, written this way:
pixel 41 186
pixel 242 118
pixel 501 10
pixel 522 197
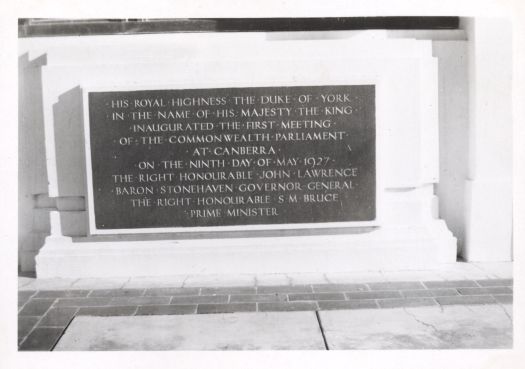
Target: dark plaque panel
pixel 233 156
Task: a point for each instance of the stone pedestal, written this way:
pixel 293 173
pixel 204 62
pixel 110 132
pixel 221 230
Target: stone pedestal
pixel 407 233
pixel 400 248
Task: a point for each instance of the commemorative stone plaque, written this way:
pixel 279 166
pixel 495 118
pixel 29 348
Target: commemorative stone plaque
pixel 232 156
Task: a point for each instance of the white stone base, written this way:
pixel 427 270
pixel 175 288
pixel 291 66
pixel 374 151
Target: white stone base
pixel 399 248
pixel 488 226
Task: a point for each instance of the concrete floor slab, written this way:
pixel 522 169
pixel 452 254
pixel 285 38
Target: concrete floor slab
pixel 277 279
pixel 24 281
pixel 151 282
pixel 99 283
pixel 452 271
pixel 46 284
pixel 449 327
pixel 496 269
pixel 214 280
pixel 416 275
pixel 237 331
pixel 307 278
pixel 356 277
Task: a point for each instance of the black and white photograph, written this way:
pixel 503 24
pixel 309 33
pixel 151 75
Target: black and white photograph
pixel 338 184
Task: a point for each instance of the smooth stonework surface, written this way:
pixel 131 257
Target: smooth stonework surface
pixel 454 271
pixel 488 185
pixel 238 331
pixel 453 124
pixel 448 327
pixel 99 50
pixel 384 248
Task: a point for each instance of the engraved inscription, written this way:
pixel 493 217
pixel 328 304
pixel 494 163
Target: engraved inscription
pixel 232 156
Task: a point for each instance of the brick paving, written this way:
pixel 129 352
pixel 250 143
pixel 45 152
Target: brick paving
pixel 43 316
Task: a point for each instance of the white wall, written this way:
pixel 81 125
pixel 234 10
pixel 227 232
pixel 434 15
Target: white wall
pixel 488 185
pixel 453 134
pixel 33 213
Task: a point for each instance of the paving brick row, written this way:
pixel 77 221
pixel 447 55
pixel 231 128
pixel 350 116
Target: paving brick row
pixel 287 306
pixel 21 304
pixel 172 291
pixel 203 299
pixel 391 286
pixel 373 295
pixel 25 324
pixel 107 310
pixel 305 288
pixel 58 317
pixel 83 301
pixel 484 291
pixel 350 287
pixel 61 293
pixel 226 308
pixel 417 293
pixel 166 309
pixel 122 292
pixel 444 292
pixel 24 296
pixel 466 300
pixel 41 339
pixel 61 315
pixel 36 307
pixel 275 297
pixel 410 302
pixel 228 291
pixel 344 305
pixel 430 293
pixel 316 296
pixel 450 284
pixel 44 315
pixel 139 300
pixel 495 282
pixel 504 299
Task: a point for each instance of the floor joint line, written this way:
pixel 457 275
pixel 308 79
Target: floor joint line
pixel 322 330
pixel 63 331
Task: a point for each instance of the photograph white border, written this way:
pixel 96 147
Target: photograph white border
pixel 362 359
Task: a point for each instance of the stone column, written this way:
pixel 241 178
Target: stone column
pixel 488 205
